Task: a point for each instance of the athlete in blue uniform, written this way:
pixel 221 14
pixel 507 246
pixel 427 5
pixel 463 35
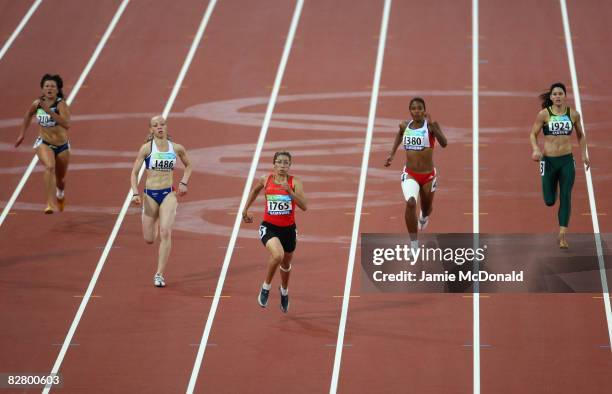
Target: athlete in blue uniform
pixel 159 204
pixel 51 146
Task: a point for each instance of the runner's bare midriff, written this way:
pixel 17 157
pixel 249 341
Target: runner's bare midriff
pixel 55 135
pixel 420 161
pixel 158 180
pixel 557 145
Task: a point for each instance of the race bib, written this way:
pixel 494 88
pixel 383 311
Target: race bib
pixel 278 204
pixel 163 161
pixel 559 126
pixel 44 119
pixel 415 139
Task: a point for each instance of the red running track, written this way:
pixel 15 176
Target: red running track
pixel 135 338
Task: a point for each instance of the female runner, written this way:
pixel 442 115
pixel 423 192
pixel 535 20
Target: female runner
pixel 557 167
pixel 51 146
pixel 277 231
pixel 159 204
pixel 418 137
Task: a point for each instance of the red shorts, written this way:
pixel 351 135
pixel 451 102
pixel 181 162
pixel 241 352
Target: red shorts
pixel 421 179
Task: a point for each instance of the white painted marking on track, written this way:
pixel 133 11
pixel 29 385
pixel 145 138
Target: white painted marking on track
pixel 69 100
pixel 19 28
pixel 245 193
pixel 475 191
pixel 590 190
pixel 126 203
pixel 360 195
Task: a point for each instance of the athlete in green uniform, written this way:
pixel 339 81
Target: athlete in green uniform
pixel 557 166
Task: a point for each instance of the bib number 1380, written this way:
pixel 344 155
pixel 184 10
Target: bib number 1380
pixel 413 141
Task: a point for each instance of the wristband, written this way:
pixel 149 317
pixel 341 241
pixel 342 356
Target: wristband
pixel 136 194
pixel 182 183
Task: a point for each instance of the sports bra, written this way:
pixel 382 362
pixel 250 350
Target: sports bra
pixel 418 139
pixel 160 161
pixel 43 118
pixel 558 124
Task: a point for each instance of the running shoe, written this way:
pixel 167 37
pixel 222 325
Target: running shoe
pixel 60 204
pixel 423 221
pixel 563 243
pixel 262 299
pixel 284 304
pixel 159 281
pixel 49 210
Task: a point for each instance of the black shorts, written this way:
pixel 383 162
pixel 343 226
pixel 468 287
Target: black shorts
pixel 286 235
pixel 57 149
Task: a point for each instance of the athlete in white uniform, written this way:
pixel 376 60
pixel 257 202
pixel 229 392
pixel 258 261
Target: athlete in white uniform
pixel 159 204
pixel 418 137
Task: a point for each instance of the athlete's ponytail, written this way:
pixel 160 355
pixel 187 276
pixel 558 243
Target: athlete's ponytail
pixel 545 97
pixel 58 81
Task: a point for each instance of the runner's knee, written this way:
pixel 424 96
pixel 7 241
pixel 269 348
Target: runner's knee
pixel 50 167
pixel 164 232
pixel 411 203
pixel 277 257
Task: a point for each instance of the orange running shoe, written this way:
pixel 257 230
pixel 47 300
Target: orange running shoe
pixel 49 210
pixel 60 204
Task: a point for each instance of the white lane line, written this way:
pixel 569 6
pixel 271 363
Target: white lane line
pixel 126 203
pixel 360 194
pixel 590 190
pixel 245 194
pixel 19 28
pixel 69 100
pixel 475 196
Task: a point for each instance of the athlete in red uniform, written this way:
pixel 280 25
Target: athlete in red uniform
pixel 418 138
pixel 277 231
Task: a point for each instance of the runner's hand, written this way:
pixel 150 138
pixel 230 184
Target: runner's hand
pixel 587 163
pixel 388 161
pixel 43 104
pixel 246 217
pixel 136 199
pixel 19 140
pixel 182 189
pixel 536 155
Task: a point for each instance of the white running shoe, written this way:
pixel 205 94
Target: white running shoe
pixel 423 221
pixel 159 281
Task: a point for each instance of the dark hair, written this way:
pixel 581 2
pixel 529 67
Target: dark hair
pixel 283 153
pixel 419 100
pixel 545 97
pixel 58 81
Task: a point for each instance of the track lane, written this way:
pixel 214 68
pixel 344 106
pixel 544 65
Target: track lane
pixel 64 248
pixel 33 56
pixel 589 28
pixel 157 328
pixel 28 249
pixel 11 14
pixel 330 39
pixel 548 341
pixel 392 340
